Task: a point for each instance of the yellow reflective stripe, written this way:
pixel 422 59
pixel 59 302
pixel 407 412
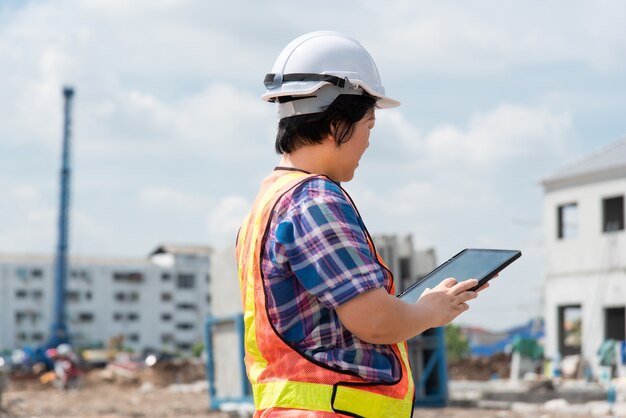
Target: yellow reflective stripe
pixel 369 404
pixel 298 395
pixel 243 233
pixel 317 397
pixel 252 347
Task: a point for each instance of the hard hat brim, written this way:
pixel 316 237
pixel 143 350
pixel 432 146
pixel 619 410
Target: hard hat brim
pixel 306 88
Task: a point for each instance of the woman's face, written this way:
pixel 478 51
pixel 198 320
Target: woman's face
pixel 350 152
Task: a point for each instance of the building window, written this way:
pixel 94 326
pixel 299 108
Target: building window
pixel 120 297
pixel 19 316
pixel 117 316
pixel 208 299
pixel 133 316
pixel 167 338
pixel 36 273
pixel 185 281
pixel 570 329
pixel 165 277
pixel 22 273
pixel 613 214
pixel 72 296
pixel 128 277
pixel 208 278
pixel 133 296
pixel 405 268
pixel 166 317
pixel 85 317
pixel 20 294
pixel 37 294
pixel 186 306
pixel 184 325
pixel 166 297
pixel 615 323
pixel 184 346
pixel 37 337
pixel 567 220
pixel 88 295
pixel 133 338
pixel 79 274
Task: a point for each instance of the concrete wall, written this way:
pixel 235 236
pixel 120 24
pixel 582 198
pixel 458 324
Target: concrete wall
pixel 588 270
pixel 226 341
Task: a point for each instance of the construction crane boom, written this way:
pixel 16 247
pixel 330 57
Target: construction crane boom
pixel 59 333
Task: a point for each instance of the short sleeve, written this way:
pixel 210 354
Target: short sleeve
pixel 325 244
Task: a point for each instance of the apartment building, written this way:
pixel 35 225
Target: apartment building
pixel 156 302
pixel 585 241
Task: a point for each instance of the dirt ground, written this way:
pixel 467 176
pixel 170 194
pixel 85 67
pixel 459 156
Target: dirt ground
pixel 113 401
pixel 178 389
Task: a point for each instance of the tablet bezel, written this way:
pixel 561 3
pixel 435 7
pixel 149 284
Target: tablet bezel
pixel 515 254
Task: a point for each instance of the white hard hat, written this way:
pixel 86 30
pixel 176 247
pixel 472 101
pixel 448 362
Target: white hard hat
pixel 315 68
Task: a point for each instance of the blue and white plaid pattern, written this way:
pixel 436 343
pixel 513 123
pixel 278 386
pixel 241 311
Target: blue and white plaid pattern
pixel 316 257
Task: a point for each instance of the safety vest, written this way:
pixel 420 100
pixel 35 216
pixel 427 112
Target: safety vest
pixel 282 377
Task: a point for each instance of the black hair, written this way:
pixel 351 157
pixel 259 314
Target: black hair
pixel 339 118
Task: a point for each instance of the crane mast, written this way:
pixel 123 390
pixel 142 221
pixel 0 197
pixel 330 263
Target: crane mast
pixel 59 333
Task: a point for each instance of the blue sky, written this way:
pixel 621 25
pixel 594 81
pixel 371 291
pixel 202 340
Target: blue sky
pixel 171 138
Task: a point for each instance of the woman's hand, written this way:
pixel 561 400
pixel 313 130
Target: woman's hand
pixel 448 300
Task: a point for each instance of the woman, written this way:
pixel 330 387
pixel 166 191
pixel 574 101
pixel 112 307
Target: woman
pixel 325 335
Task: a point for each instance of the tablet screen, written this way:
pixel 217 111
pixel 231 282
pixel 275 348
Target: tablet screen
pixel 472 263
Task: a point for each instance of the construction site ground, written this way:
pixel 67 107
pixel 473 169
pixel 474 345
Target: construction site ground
pixel 111 400
pixel 180 390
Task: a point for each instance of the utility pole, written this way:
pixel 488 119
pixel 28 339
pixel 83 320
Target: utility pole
pixel 59 333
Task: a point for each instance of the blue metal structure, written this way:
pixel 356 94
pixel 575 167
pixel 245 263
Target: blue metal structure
pixel 246 390
pixel 427 353
pixel 58 332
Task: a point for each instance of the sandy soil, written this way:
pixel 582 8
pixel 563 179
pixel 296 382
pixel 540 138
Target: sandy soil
pixel 171 390
pixel 113 401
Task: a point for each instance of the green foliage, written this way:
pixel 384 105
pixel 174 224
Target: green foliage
pixel 457 345
pixel 197 349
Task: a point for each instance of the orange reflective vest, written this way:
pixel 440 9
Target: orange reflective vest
pixel 282 378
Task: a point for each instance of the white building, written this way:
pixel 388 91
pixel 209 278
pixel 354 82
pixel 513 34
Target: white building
pixel 405 262
pixel 585 287
pixel 158 302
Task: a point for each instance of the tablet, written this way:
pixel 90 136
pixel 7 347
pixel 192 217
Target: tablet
pixel 471 263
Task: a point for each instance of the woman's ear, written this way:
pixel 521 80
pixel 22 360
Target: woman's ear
pixel 334 127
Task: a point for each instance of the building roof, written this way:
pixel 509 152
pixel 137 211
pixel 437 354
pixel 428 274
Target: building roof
pixel 73 259
pixel 182 249
pixel 606 163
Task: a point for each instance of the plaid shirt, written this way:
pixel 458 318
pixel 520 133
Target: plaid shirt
pixel 315 258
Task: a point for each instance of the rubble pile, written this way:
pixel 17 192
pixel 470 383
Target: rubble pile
pixel 174 371
pixel 161 374
pixel 480 368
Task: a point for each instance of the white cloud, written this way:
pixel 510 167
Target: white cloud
pixel 505 133
pixel 492 138
pixel 491 36
pixel 28 221
pixel 183 202
pixel 225 219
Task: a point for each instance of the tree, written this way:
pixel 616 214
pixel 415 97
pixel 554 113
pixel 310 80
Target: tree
pixel 457 345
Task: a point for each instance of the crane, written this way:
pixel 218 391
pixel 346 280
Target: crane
pixel 59 333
